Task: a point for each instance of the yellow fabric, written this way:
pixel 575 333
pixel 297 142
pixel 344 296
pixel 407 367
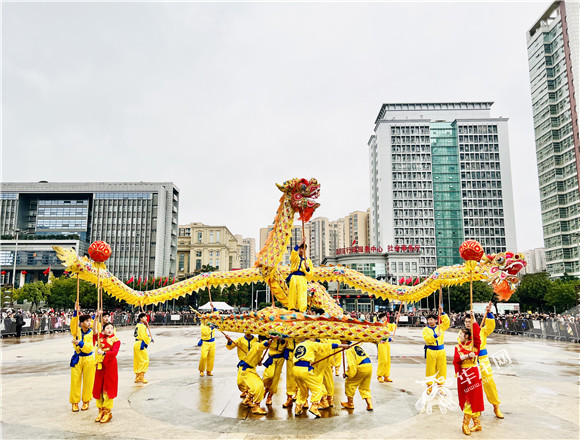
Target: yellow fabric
pixel 74 326
pixel 240 380
pixel 254 356
pixel 104 401
pixel 297 290
pixel 207 358
pixel 142 334
pixel 467 410
pixel 361 380
pixel 354 356
pixel 308 353
pixel 82 374
pixel 254 384
pixel 489 385
pixel 485 331
pixel 436 364
pixel 243 346
pixel 384 354
pixel 206 332
pixel 439 329
pixel 335 360
pixel 323 369
pixel 291 387
pixel 140 358
pixel 306 382
pixel 272 375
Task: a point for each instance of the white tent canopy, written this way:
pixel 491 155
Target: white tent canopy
pixel 217 305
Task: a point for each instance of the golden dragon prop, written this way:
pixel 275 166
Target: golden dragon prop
pixel 298 196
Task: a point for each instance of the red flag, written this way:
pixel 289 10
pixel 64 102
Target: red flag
pixel 173 282
pixel 146 280
pixel 139 282
pixel 165 282
pixel 409 281
pixel 47 271
pixel 131 280
pixel 353 242
pixel 401 280
pixel 416 282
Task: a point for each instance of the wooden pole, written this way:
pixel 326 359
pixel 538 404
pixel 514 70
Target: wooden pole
pixel 440 302
pixel 336 352
pixel 78 306
pixel 397 321
pixel 471 302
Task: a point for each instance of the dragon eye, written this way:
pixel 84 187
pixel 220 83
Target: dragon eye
pixel 519 256
pixel 500 260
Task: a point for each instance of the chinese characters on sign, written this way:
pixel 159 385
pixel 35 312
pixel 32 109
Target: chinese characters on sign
pixel 374 249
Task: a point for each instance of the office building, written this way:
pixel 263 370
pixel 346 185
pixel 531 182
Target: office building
pixel 138 220
pixel 553 43
pixel 439 174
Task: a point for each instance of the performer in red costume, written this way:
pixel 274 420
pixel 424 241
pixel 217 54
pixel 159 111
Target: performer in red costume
pixel 106 378
pixel 469 386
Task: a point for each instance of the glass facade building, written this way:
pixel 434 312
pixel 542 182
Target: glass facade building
pixel 553 59
pixel 138 220
pixel 440 173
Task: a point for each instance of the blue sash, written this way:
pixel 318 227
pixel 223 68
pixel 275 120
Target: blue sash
pixel 432 347
pixel 365 361
pixel 244 365
pixel 271 358
pixel 76 357
pixel 286 353
pixel 304 364
pixel 483 352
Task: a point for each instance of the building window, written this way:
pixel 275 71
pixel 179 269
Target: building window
pixel 211 262
pixel 181 261
pixel 211 236
pixel 217 236
pixel 198 254
pixel 211 254
pixel 217 253
pixel 199 237
pixel 198 264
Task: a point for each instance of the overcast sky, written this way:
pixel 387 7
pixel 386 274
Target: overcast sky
pixel 226 99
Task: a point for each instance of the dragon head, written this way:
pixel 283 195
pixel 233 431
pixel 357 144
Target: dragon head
pixel 302 193
pixel 502 270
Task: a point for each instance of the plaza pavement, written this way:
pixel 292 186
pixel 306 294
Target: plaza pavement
pixel 539 389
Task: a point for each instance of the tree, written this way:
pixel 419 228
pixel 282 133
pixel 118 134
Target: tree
pixel 64 294
pixel 459 296
pixel 34 293
pixel 562 295
pixel 532 290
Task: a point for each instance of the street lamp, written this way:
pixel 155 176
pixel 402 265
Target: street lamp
pixel 16 231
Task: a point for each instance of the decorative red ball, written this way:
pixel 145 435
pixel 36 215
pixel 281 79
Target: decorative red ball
pixel 99 251
pixel 471 250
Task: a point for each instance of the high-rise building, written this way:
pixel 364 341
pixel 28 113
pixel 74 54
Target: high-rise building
pixel 203 245
pixel 319 240
pixel 439 174
pixel 336 236
pixel 247 252
pixel 356 228
pixel 138 220
pixel 553 58
pixel 536 259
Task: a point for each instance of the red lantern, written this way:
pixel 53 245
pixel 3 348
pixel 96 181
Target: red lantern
pixel 471 250
pixel 100 251
pixel 3 272
pixel 23 272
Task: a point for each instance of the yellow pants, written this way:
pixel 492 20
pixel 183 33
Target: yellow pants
pixel 488 383
pixel 272 375
pixel 140 359
pixel 240 381
pixel 436 364
pixel 207 356
pixel 82 374
pixel 384 352
pixel 361 380
pixel 324 374
pixel 297 293
pixel 291 387
pixel 467 410
pixel 104 401
pixel 254 384
pixel 335 360
pixel 307 382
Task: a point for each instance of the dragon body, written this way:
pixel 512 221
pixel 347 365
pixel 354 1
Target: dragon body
pixel 298 196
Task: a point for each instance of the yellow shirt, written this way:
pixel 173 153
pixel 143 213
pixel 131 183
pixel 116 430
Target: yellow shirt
pixel 428 335
pixel 141 334
pixel 486 330
pixel 243 345
pixel 355 356
pixel 296 263
pixel 86 345
pixel 206 332
pixel 309 350
pixel 254 356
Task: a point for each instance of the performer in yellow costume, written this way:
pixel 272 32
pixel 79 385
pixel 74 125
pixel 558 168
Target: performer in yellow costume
pixel 300 273
pixel 384 354
pixel 82 363
pixel 291 387
pixel 243 344
pixel 251 378
pixel 434 337
pixel 207 343
pixel 489 385
pixel 274 365
pixel 140 355
pixel 358 375
pixel 307 382
pixel 323 370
